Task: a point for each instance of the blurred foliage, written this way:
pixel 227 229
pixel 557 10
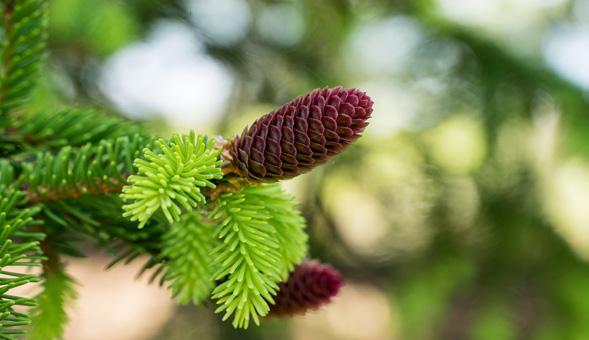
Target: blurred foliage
pixel 465 216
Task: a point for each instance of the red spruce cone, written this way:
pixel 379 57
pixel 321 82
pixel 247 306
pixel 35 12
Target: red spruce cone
pixel 300 134
pixel 308 287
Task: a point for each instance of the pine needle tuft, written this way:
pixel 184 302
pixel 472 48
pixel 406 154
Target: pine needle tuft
pixel 171 179
pixel 187 247
pixel 251 259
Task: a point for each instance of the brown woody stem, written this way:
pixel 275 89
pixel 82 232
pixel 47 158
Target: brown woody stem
pixel 52 264
pixel 74 193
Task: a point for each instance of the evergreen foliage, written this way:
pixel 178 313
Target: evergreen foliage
pixel 50 315
pixel 172 178
pixel 474 224
pixel 19 248
pixel 288 223
pixel 187 246
pixel 74 173
pixel 69 127
pixel 253 256
pixel 23 49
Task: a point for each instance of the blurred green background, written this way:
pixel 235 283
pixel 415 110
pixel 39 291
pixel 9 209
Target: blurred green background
pixel 463 212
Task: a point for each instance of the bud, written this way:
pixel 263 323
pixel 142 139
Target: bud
pixel 308 287
pixel 299 135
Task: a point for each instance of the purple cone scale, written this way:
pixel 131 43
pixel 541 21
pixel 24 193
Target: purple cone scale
pixel 300 134
pixel 308 287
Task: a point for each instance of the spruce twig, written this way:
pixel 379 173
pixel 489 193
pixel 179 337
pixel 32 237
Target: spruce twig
pixel 199 207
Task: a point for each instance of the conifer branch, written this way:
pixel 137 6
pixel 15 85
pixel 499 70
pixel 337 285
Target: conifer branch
pixel 49 316
pixel 172 178
pixel 288 222
pixel 100 218
pixel 186 248
pixel 22 253
pixel 74 172
pixel 69 127
pixel 83 173
pixel 100 188
pixel 78 170
pixel 253 256
pixel 246 261
pixel 25 35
